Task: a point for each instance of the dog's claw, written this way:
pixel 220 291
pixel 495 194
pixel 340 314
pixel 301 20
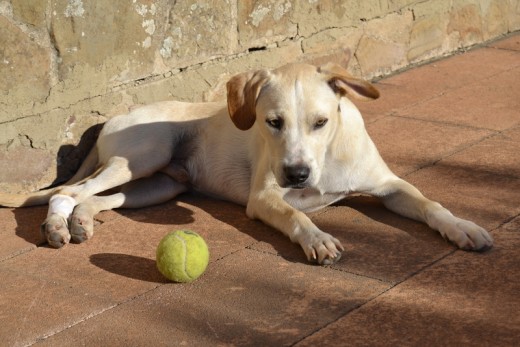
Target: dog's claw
pixel 322 248
pixel 329 260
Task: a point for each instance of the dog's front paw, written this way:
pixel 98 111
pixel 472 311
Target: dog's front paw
pixel 466 235
pixel 55 231
pixel 321 247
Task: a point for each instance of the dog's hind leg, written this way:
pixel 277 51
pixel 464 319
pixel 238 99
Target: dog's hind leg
pixel 87 167
pixel 55 228
pixel 116 172
pixel 143 192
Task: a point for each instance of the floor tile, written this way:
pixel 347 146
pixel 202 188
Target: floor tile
pixel 510 43
pixel 478 194
pixel 513 226
pixel 496 155
pixel 493 104
pixel 265 300
pixel 407 144
pixel 512 134
pixel 121 255
pixel 378 243
pixel 20 230
pixel 429 81
pixel 466 299
pixel 390 98
pixel 33 307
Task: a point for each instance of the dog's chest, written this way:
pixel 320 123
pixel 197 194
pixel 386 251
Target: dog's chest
pixel 309 200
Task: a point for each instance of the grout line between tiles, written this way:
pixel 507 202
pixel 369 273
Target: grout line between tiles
pixel 392 286
pixel 458 150
pixel 91 315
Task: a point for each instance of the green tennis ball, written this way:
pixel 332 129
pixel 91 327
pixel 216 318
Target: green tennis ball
pixel 182 256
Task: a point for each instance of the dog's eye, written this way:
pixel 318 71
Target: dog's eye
pixel 320 123
pixel 275 123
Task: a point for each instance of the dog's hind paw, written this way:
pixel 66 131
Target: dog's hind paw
pixel 81 226
pixel 55 230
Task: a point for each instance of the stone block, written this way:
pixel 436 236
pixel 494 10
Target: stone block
pixel 466 21
pixel 30 12
pixel 427 38
pixel 394 27
pixel 377 57
pixel 513 15
pixel 216 75
pixel 185 86
pixel 313 16
pixel 109 36
pixel 198 31
pixel 24 68
pixel 22 168
pixel 428 9
pixel 383 47
pixel 398 5
pixel 59 141
pixel 333 45
pixel 495 19
pixel 262 23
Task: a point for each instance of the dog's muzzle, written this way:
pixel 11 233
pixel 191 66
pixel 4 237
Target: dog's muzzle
pixel 296 176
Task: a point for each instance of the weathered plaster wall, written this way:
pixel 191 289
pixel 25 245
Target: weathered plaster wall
pixel 67 65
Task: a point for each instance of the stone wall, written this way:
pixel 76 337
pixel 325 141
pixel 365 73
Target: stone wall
pixel 68 65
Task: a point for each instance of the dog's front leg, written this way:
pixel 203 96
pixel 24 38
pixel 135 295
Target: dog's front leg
pixel 403 198
pixel 270 207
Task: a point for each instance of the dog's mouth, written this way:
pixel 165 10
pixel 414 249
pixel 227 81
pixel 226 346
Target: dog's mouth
pixel 295 185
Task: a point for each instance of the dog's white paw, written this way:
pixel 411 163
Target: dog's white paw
pixel 466 234
pixel 81 225
pixel 321 247
pixel 55 230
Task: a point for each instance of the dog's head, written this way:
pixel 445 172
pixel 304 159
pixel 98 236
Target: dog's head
pixel 297 111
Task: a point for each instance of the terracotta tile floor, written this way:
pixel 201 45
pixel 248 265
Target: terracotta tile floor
pixel 451 127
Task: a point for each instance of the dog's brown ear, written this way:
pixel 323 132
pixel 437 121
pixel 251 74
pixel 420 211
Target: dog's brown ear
pixel 242 93
pixel 344 83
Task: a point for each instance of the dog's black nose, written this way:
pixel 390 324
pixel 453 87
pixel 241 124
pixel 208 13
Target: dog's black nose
pixel 297 174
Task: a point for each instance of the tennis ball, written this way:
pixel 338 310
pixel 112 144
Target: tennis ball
pixel 182 256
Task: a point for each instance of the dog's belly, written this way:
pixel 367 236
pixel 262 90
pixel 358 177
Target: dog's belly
pixel 236 191
pixel 223 177
pixel 309 200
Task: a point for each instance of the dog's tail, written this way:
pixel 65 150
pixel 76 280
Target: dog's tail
pixel 42 197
